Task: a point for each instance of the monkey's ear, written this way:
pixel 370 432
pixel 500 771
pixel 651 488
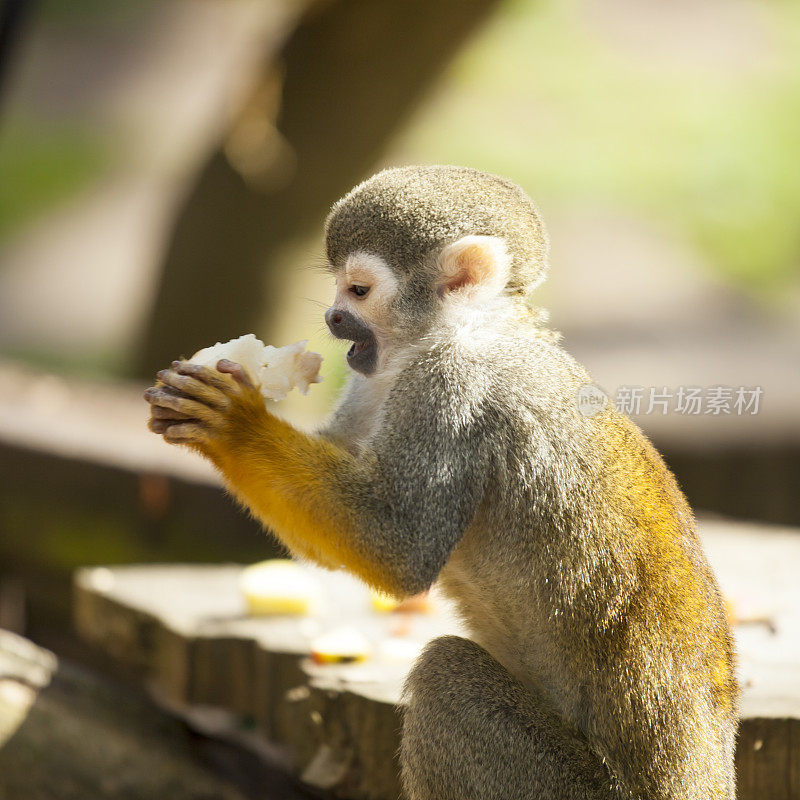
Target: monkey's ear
pixel 474 266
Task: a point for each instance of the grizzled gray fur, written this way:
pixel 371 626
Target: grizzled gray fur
pixel 600 663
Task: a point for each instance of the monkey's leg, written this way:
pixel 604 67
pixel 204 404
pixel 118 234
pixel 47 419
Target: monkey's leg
pixel 473 732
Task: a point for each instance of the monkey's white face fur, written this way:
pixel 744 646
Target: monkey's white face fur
pixel 472 271
pixel 367 287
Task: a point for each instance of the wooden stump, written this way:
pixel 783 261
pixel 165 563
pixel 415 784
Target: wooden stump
pixel 186 630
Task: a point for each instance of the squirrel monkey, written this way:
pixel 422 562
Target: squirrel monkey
pixel 600 663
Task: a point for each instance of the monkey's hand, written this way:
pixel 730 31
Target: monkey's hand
pixel 204 408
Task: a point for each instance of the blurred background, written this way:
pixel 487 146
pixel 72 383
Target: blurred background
pixel 165 171
pixel 166 168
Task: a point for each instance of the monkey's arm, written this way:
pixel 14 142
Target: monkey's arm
pixel 346 422
pixel 391 514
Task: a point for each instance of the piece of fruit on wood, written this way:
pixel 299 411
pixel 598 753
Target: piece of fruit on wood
pixel 421 603
pixel 343 645
pixel 279 586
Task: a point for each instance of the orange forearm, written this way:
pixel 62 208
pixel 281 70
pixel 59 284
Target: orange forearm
pixel 285 477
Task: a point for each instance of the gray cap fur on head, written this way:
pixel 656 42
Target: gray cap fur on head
pixel 405 213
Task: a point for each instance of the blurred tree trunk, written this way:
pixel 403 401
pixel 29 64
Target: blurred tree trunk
pixel 354 70
pixel 14 15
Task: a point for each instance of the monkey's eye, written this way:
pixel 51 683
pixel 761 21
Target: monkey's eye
pixel 359 291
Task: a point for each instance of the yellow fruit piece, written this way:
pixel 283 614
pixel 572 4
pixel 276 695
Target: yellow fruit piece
pixel 419 603
pixel 341 646
pixel 384 602
pixel 278 586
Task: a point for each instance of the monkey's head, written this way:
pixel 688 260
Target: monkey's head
pixel 412 242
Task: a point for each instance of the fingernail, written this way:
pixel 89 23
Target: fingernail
pixel 161 373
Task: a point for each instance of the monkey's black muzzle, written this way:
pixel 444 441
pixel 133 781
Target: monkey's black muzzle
pixel 363 355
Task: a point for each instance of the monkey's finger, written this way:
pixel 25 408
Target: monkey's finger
pixel 191 387
pixel 192 409
pixel 159 412
pixel 204 374
pixel 237 371
pixel 161 425
pixel 185 433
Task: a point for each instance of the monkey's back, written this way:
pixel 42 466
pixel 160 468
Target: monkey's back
pixel 583 574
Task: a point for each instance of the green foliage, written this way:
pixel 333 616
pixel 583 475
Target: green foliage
pixel 82 11
pixel 41 165
pixel 712 151
pixel 98 363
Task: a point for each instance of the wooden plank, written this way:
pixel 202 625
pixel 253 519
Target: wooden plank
pixel 185 628
pixel 794 758
pixel 346 742
pixel 766 757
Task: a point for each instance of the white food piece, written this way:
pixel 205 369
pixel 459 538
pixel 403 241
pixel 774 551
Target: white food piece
pixel 274 370
pixel 279 586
